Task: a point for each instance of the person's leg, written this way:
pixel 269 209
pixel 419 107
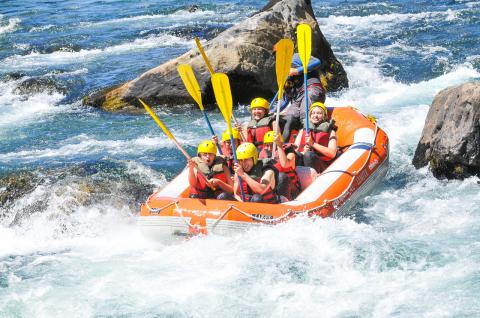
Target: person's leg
pixel 312 160
pixel 257 198
pixel 299 159
pixel 316 94
pixel 284 185
pixel 294 192
pixel 287 129
pixel 226 196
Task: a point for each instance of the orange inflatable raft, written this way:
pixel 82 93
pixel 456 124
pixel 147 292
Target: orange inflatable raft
pixel 361 164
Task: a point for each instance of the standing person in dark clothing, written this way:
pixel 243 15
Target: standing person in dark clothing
pixel 294 91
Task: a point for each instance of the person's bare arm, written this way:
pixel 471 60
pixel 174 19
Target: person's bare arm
pixel 331 150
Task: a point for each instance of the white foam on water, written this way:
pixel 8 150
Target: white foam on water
pixel 58 228
pixel 473 4
pixel 18 110
pixel 177 16
pixel 22 46
pixel 372 92
pixel 88 145
pixel 337 267
pixel 37 60
pixel 146 173
pixel 416 255
pixel 80 71
pixel 42 28
pixel 10 26
pixel 343 26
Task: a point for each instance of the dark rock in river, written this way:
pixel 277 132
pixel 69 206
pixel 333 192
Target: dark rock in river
pixel 15 186
pixel 244 52
pixel 65 190
pixel 450 140
pixel 192 8
pixel 13 76
pixel 37 85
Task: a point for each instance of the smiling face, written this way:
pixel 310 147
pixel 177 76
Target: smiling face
pixel 208 158
pixel 246 164
pixel 258 113
pixel 316 115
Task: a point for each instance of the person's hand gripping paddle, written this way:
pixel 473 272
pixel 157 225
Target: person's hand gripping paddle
pixel 169 135
pixel 223 96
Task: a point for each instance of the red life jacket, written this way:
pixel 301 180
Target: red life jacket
pixel 321 135
pixel 269 196
pixel 290 171
pixel 230 163
pixel 201 190
pixel 257 129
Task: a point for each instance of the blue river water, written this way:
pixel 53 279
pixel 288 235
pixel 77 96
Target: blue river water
pixel 69 244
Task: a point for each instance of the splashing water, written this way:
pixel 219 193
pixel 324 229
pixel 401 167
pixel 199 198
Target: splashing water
pixel 71 178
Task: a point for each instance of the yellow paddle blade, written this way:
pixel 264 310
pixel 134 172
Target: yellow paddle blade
pixel 304 42
pixel 190 82
pixel 200 48
pixel 157 120
pixel 283 62
pixel 223 95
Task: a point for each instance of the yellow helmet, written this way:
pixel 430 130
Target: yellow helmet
pixel 319 105
pixel 247 150
pixel 260 102
pixel 206 146
pixel 269 137
pixel 226 135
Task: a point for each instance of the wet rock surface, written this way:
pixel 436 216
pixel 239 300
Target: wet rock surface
pixel 450 142
pixel 16 185
pixel 37 85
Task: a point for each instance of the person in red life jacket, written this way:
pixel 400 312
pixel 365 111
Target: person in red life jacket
pixel 318 148
pixel 288 181
pixel 214 181
pixel 259 177
pixel 294 114
pixel 226 146
pixel 260 123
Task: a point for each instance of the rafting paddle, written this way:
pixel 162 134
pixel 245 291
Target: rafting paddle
pixel 210 69
pixel 190 82
pixel 283 61
pixel 304 43
pixel 223 96
pixel 169 134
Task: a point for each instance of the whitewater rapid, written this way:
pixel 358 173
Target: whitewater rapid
pixel 71 244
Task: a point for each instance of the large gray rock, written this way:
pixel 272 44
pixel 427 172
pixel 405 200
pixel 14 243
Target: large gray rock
pixel 450 140
pixel 244 52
